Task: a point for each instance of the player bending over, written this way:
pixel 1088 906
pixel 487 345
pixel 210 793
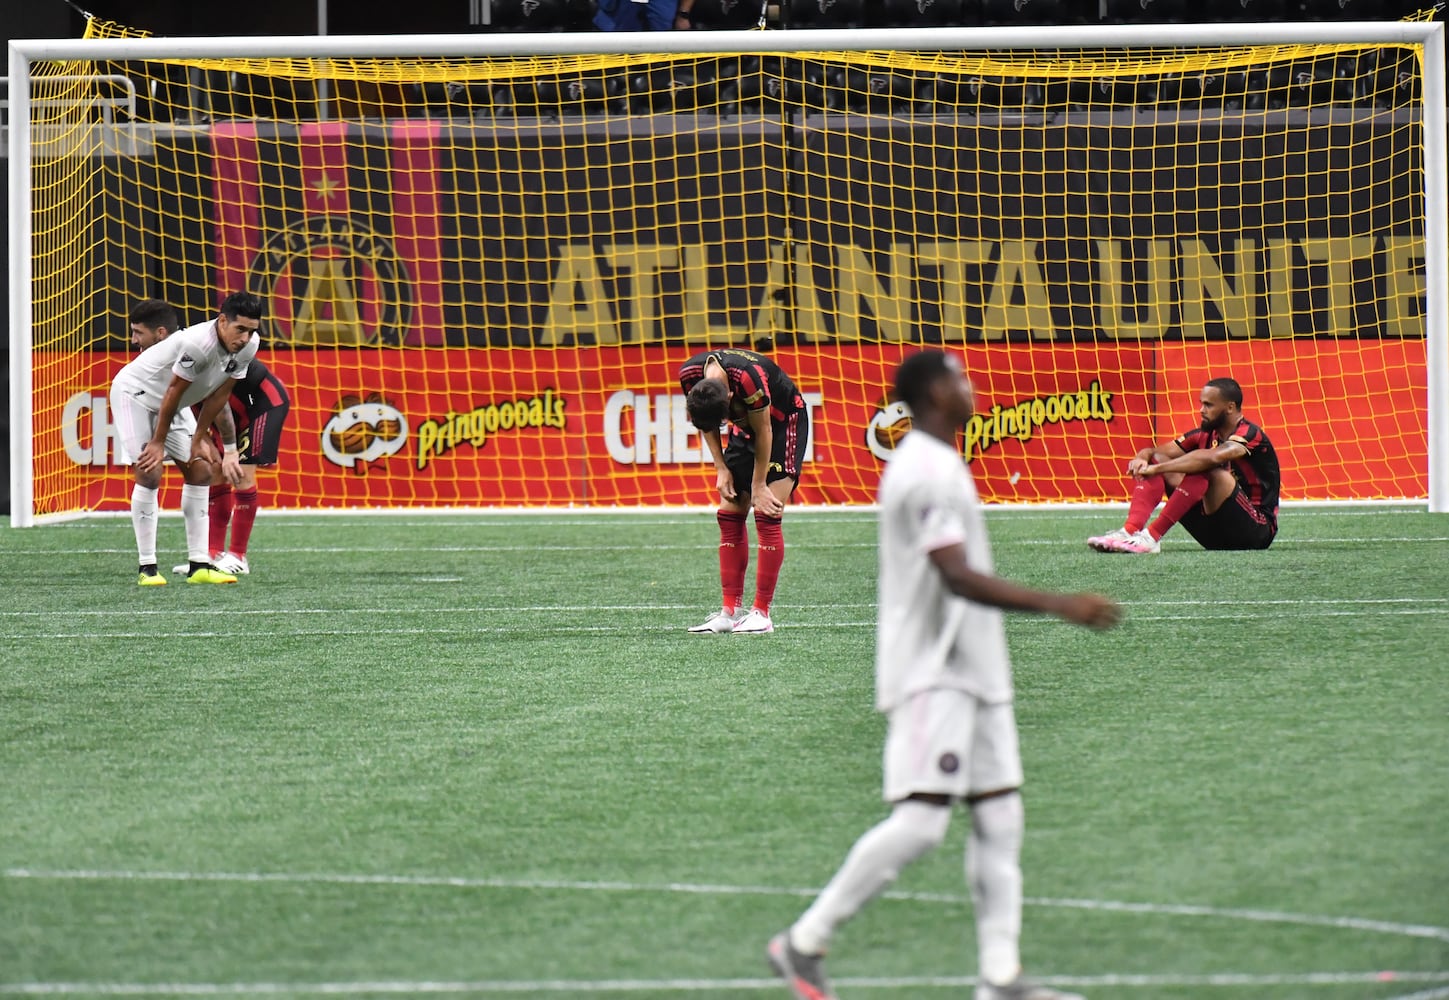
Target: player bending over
pixel 150 401
pixel 943 679
pixel 759 467
pixel 1221 479
pixel 249 431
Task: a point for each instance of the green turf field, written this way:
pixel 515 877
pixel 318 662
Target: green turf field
pixel 472 756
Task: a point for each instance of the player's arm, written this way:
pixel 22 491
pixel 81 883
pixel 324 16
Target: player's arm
pixel 1144 457
pixel 153 452
pixel 230 459
pixel 1198 460
pixel 984 588
pixel 211 409
pixel 724 481
pixel 764 441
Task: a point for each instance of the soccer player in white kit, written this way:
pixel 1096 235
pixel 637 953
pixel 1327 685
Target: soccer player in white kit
pixel 943 679
pixel 150 402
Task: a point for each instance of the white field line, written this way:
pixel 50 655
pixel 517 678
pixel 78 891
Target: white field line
pixel 1439 993
pixel 820 513
pixel 1293 602
pixel 374 631
pixel 596 986
pixel 705 889
pixel 703 546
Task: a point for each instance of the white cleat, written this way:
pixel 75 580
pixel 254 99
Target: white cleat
pixel 1110 541
pixel 719 623
pixel 233 564
pixel 754 623
pixel 1140 544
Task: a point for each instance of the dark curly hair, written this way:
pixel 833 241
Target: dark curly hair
pixel 708 404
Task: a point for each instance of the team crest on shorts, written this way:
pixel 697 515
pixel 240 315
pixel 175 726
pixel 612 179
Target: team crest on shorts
pixel 949 763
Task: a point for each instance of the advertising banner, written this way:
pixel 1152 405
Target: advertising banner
pixel 607 426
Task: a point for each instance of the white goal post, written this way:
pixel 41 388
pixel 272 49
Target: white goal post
pixel 23 54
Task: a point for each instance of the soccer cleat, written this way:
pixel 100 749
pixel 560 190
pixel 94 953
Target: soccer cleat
pixel 210 574
pixel 152 579
pixel 1109 541
pixel 182 569
pixel 1140 544
pixel 1022 989
pixel 719 623
pixel 229 562
pixel 754 623
pixel 804 974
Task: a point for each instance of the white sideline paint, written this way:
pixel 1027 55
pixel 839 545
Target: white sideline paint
pixel 576 608
pixel 642 629
pixel 637 628
pixel 705 889
pixel 1435 994
pixel 584 986
pixel 1074 543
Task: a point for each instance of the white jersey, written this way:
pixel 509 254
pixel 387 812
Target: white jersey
pixel 927 636
pixel 196 355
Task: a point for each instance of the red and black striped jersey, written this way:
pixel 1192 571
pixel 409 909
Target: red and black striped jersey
pixel 756 382
pixel 1256 472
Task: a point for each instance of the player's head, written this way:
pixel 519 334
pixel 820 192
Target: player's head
pixel 708 404
pixel 152 320
pixel 240 317
pixel 1222 404
pixel 934 386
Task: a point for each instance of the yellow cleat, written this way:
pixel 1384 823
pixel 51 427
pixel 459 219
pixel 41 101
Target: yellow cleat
pixel 150 580
pixel 207 574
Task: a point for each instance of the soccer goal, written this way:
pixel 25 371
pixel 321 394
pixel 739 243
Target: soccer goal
pixel 484 257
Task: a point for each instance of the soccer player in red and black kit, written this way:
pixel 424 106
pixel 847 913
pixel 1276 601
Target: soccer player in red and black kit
pixel 1221 481
pixel 759 468
pixel 259 407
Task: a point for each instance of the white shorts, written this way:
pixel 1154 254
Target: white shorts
pixel 135 425
pixel 945 742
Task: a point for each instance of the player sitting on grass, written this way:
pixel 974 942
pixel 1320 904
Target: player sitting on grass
pixel 1221 481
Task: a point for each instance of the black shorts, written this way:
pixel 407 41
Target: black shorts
pixel 259 417
pixel 787 452
pixel 1237 524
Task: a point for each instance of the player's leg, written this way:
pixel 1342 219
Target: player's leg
pixel 927 767
pixel 135 425
pixel 787 455
pixel 1189 493
pixel 259 437
pixel 1234 525
pixel 993 857
pixel 734 543
pixel 195 500
pixel 1146 494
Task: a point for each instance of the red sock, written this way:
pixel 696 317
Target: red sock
pixel 772 554
pixel 734 558
pixel 218 512
pixel 1145 495
pixel 1186 495
pixel 246 514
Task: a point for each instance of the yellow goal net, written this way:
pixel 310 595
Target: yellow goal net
pixel 483 271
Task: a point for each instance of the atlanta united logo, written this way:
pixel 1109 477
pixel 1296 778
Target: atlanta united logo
pixel 332 281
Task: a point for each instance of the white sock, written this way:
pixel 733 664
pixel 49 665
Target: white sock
pixel 993 869
pixel 194 503
pixel 912 829
pixel 143 522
